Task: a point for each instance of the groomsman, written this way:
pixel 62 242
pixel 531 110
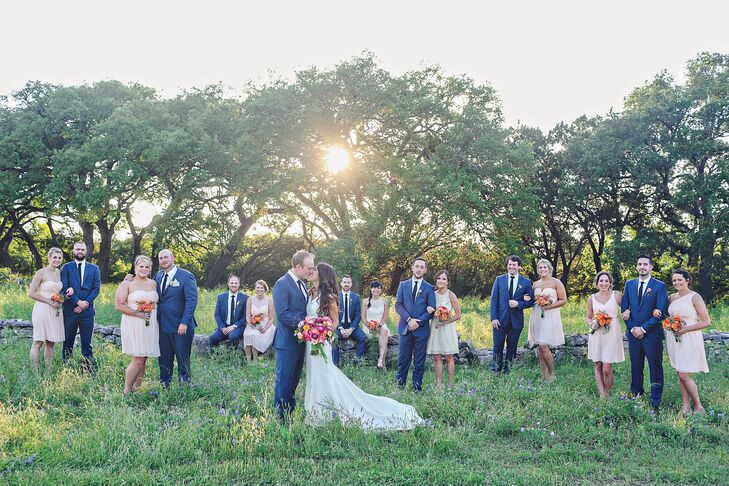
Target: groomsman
pixel 350 316
pixel 177 289
pixel 230 315
pixel 510 295
pixel 414 296
pixel 78 311
pixel 642 297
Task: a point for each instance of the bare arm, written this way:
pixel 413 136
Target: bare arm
pixel 704 320
pixel 590 314
pixel 385 312
pixel 35 287
pixel 248 310
pixel 363 311
pixel 561 296
pixel 270 315
pixel 334 314
pixel 456 309
pixel 120 300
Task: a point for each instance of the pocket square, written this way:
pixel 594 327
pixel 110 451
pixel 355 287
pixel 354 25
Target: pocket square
pixel 174 283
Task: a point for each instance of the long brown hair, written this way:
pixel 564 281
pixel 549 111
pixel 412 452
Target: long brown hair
pixel 328 289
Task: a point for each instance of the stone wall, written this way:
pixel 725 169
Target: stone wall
pixel 717 345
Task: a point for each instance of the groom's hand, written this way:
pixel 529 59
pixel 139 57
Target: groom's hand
pixel 513 304
pixel 413 324
pixel 495 323
pixel 227 330
pixel 182 329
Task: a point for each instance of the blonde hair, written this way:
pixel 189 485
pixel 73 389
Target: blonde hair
pixel 143 258
pixel 261 283
pixel 547 263
pixel 54 250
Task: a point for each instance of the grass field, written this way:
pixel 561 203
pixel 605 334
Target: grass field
pixel 76 429
pixel 15 304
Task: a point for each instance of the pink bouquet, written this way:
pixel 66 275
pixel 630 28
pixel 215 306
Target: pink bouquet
pixel 317 331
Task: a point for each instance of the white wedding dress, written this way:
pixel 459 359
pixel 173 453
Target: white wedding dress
pixel 330 394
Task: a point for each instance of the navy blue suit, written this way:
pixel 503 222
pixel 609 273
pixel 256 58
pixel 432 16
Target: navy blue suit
pixel 413 344
pixel 511 321
pixel 176 306
pixel 222 309
pixel 355 317
pixel 87 290
pixel 650 346
pixel 290 306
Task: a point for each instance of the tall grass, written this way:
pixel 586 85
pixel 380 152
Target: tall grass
pixel 474 325
pixel 72 428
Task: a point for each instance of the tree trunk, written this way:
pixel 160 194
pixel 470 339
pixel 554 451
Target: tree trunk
pixel 106 232
pixel 5 259
pixel 395 277
pixel 37 257
pixel 217 272
pixel 88 238
pixel 55 241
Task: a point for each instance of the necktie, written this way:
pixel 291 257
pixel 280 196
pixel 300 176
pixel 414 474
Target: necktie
pixel 415 290
pixel 640 292
pixel 232 309
pixel 80 276
pixel 302 287
pixel 346 308
pixel 164 283
pixel 511 287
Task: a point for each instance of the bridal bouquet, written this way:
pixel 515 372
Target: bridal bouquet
pixel 442 313
pixel 674 324
pixel 373 324
pixel 146 306
pixel 542 300
pixel 602 319
pixel 59 299
pixel 317 331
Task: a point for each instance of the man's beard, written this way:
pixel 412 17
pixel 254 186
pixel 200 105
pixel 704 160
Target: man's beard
pixel 79 258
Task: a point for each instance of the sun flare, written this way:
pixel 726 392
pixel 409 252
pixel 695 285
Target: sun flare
pixel 337 159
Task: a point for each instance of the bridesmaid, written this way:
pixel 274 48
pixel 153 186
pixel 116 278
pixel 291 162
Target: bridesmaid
pixel 377 308
pixel 139 330
pixel 547 331
pixel 443 340
pixel 688 355
pixel 257 338
pixel 604 348
pixel 47 315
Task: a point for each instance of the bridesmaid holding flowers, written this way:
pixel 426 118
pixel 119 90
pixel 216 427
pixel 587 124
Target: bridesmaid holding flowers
pixel 686 345
pixel 605 343
pixel 545 323
pixel 47 314
pixel 259 332
pixel 443 340
pixel 137 299
pixel 374 315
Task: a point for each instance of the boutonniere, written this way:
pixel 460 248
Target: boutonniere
pixel 648 290
pixel 174 283
pixel 519 287
pixel 420 292
pixel 237 303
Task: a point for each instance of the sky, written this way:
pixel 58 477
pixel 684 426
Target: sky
pixel 549 61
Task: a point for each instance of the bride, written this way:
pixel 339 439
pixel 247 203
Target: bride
pixel 329 393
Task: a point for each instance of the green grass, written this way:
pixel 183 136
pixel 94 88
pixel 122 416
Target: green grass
pixel 474 325
pixel 75 429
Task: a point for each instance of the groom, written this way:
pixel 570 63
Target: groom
pixel 289 301
pixel 414 296
pixel 177 291
pixel 641 297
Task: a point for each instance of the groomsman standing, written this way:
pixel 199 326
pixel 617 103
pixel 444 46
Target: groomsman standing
pixel 642 297
pixel 414 296
pixel 177 291
pixel 78 311
pixel 510 295
pixel 230 314
pixel 350 316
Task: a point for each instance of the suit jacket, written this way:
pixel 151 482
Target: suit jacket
pixel 87 290
pixel 222 309
pixel 290 308
pixel 499 305
pixel 655 296
pixel 355 310
pixel 177 302
pixel 417 309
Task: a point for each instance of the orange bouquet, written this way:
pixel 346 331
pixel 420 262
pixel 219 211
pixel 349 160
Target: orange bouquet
pixel 442 313
pixel 373 324
pixel 602 319
pixel 146 306
pixel 59 299
pixel 674 324
pixel 256 319
pixel 542 300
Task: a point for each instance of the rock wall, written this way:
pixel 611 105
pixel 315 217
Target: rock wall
pixel 716 343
